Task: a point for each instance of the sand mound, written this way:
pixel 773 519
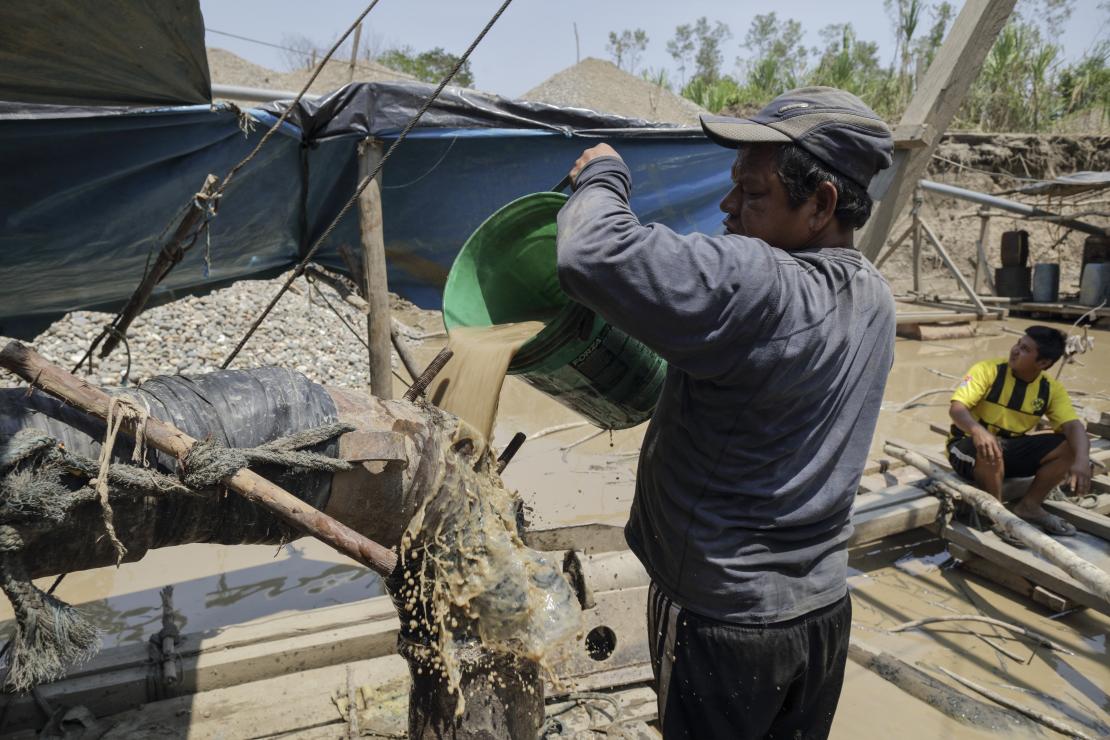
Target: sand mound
pixel 227 68
pixel 601 86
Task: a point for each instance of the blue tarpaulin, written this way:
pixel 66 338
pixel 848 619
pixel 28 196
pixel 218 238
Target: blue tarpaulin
pixel 89 197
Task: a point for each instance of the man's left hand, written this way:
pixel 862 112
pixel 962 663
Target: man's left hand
pixel 601 150
pixel 1079 477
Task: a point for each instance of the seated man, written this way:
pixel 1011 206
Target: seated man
pixel 994 408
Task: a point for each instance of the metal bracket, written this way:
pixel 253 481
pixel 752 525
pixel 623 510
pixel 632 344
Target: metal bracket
pixel 359 447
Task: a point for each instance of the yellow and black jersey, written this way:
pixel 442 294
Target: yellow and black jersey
pixel 1007 406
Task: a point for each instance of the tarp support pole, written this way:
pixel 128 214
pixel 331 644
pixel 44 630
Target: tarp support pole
pixel 373 260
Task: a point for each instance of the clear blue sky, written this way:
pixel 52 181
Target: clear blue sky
pixel 535 38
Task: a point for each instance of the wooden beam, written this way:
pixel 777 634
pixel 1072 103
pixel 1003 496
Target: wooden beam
pixel 374 267
pixel 1023 563
pixel 1083 519
pixel 942 91
pixel 970 291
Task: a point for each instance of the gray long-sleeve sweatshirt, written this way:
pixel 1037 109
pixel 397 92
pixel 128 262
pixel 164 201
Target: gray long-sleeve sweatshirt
pixel 777 365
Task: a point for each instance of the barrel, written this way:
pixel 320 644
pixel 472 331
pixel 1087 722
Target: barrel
pixel 505 273
pixel 1094 287
pixel 1046 282
pixel 1012 282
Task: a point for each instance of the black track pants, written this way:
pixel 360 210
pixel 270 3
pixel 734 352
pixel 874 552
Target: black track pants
pixel 721 680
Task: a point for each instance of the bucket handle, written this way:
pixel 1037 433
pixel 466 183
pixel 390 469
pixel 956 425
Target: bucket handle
pixel 563 184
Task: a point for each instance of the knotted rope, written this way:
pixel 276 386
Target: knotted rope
pixel 49 634
pixel 38 492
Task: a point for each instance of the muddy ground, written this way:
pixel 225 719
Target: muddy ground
pixel 565 480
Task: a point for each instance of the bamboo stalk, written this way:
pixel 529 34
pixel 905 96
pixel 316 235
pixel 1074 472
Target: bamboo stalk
pixel 987 620
pixel 33 368
pixel 1089 575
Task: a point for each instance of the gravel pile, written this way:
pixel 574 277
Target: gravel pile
pixel 227 68
pixel 194 335
pixel 602 86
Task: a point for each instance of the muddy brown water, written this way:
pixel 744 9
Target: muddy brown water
pixel 899 579
pixel 469 385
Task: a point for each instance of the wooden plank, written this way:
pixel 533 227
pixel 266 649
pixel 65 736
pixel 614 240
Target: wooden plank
pixel 1065 309
pixel 886 497
pixel 941 93
pixel 1084 519
pixel 1003 577
pixel 934 317
pixel 1021 562
pixel 883 522
pixel 373 260
pixel 1099 430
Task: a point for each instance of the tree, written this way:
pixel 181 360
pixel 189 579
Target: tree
pixel 925 49
pixel 430 66
pixel 851 65
pixel 709 57
pixel 778 61
pixel 681 47
pixel 627 48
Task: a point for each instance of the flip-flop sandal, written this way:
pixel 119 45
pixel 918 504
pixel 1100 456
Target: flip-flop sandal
pixel 1053 525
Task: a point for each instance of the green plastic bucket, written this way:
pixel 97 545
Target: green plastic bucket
pixel 505 273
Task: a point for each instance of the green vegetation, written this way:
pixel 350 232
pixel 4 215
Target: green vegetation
pixel 1026 84
pixel 429 66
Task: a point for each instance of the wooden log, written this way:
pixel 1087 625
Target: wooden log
pixel 33 368
pixel 1044 719
pixel 936 694
pixel 180 242
pixel 1092 577
pixel 934 104
pixel 373 261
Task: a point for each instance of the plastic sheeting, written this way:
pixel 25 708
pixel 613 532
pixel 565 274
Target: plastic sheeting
pixel 269 403
pixel 383 108
pixel 88 197
pixel 107 52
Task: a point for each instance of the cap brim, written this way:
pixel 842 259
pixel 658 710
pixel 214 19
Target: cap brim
pixel 732 132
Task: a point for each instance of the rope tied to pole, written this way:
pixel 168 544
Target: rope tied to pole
pixel 209 462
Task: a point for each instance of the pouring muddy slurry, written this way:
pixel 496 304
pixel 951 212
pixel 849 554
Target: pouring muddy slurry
pixel 470 383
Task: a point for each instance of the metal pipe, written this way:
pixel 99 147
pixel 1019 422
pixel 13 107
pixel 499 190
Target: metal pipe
pixel 257 94
pixel 1009 205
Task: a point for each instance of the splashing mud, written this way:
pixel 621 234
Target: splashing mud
pixel 466 575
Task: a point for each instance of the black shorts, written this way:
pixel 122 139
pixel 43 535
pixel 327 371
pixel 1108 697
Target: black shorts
pixel 721 680
pixel 1021 456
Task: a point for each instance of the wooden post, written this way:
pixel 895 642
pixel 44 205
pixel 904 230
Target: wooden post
pixel 373 262
pixel 31 367
pixel 917 200
pixel 354 53
pixel 954 68
pixel 953 269
pixel 982 264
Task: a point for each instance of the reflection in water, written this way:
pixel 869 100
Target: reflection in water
pixel 295 583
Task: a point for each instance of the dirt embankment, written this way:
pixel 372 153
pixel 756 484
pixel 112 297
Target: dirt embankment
pixel 999 164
